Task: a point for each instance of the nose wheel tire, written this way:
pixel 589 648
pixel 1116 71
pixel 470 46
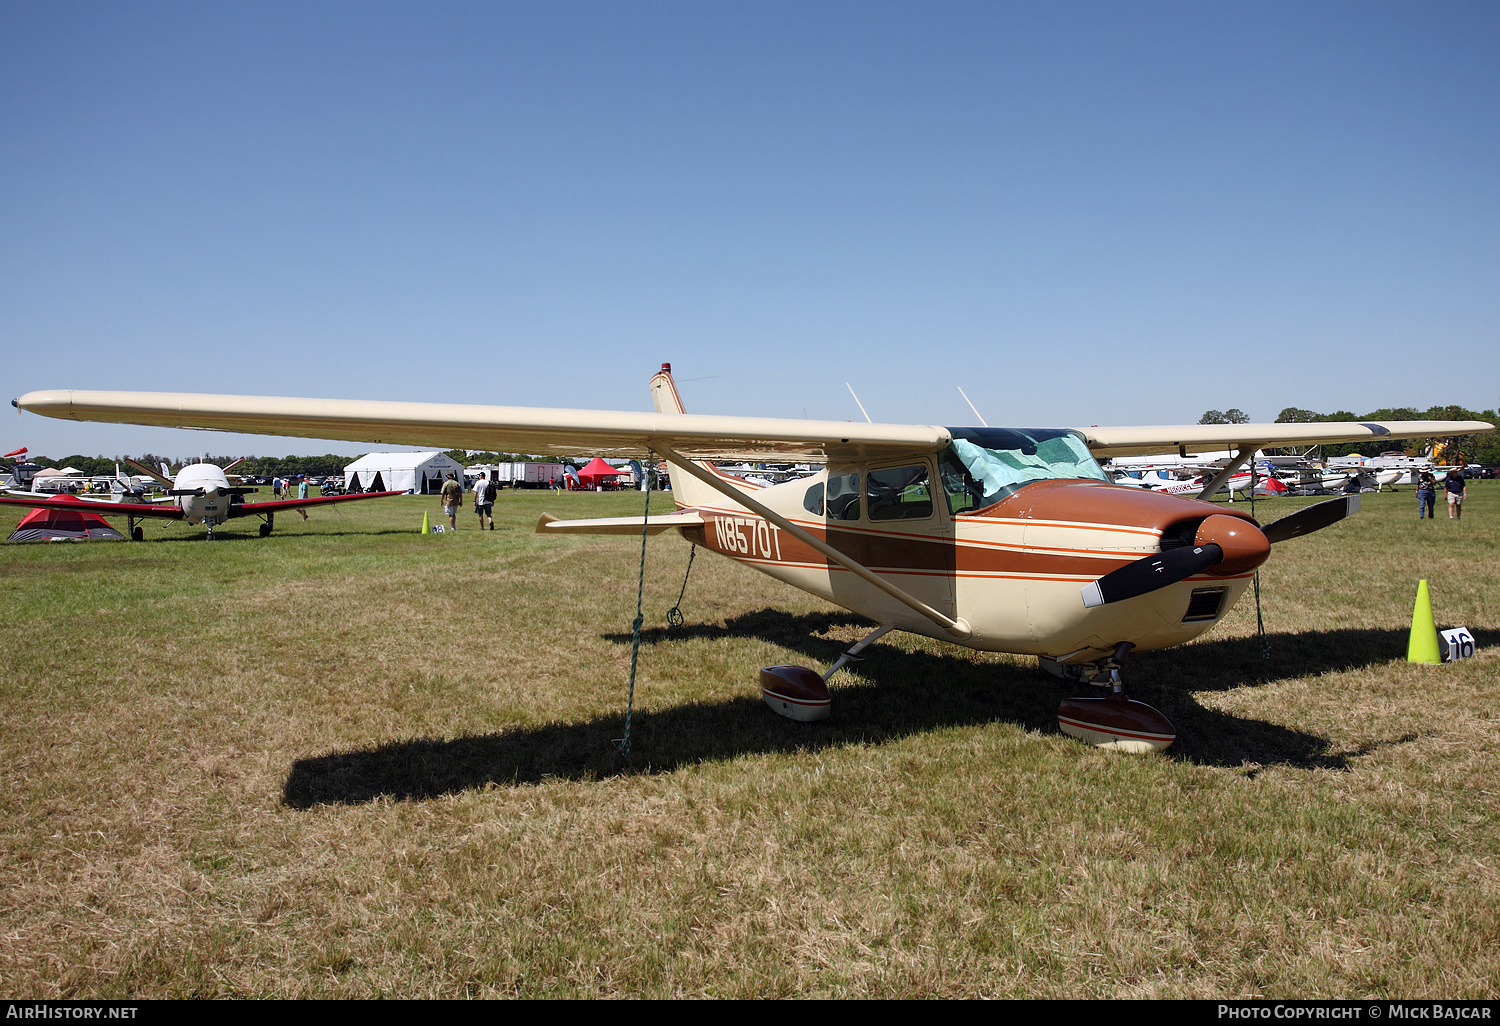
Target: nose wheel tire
pixel 1117 723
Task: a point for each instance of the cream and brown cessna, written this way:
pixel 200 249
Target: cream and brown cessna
pixel 1000 539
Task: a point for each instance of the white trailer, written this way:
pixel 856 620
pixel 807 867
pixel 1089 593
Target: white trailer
pixel 538 475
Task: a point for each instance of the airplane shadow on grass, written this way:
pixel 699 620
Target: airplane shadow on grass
pixel 903 693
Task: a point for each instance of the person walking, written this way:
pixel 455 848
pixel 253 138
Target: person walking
pixel 452 496
pixel 1426 494
pixel 1454 485
pixel 491 493
pixel 484 500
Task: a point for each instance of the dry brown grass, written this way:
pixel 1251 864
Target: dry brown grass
pixel 349 761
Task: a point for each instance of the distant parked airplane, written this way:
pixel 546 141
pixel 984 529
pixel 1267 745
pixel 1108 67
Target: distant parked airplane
pixel 199 494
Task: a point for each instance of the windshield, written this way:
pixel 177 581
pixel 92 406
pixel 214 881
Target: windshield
pixel 984 465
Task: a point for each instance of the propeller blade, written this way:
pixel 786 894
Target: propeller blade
pixel 1311 518
pixel 1154 571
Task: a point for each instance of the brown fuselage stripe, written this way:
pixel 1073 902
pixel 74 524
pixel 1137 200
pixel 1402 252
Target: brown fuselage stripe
pixel 1043 506
pixel 895 554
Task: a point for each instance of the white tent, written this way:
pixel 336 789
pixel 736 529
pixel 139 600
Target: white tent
pixel 422 473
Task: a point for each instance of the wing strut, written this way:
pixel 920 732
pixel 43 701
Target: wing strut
pixel 1242 456
pixel 958 628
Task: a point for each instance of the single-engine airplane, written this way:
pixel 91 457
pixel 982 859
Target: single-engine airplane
pixel 199 494
pixel 999 539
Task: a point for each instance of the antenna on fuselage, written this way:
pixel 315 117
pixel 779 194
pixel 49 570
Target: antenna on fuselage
pixel 858 403
pixel 982 421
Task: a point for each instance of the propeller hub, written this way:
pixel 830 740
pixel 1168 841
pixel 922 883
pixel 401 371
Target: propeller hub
pixel 1245 546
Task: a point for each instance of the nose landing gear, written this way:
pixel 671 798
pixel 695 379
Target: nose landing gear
pixel 1115 722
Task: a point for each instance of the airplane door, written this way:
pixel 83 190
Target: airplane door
pixel 910 535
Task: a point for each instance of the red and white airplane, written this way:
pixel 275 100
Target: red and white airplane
pixel 999 539
pixel 201 493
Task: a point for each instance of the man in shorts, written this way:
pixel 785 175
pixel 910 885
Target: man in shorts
pixel 452 496
pixel 1454 485
pixel 484 500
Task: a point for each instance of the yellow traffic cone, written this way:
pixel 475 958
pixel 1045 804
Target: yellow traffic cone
pixel 1423 646
pixel 427 529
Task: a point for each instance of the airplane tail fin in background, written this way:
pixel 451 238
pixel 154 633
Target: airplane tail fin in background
pixel 164 480
pixel 123 484
pixel 686 489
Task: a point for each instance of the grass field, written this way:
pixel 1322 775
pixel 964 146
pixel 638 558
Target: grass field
pixel 348 760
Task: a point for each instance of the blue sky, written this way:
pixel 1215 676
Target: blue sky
pixel 1083 213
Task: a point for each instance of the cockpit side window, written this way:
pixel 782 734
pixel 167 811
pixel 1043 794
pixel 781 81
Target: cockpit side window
pixel 898 493
pixel 843 496
pixel 963 492
pixel 813 500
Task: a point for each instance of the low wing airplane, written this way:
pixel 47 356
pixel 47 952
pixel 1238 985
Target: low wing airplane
pixel 199 494
pixel 999 539
pixel 1264 482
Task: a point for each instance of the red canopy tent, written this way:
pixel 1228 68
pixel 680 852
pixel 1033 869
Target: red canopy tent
pixel 597 472
pixel 54 524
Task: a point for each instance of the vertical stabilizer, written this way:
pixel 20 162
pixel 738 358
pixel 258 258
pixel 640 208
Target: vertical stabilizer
pixel 664 392
pixel 686 489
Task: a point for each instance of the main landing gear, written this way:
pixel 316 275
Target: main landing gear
pixel 802 694
pixel 1114 721
pixel 265 528
pixel 132 531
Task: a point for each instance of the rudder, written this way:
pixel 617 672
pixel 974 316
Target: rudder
pixel 686 489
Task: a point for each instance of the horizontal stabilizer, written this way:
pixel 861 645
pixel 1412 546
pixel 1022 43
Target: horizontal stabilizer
pixel 549 524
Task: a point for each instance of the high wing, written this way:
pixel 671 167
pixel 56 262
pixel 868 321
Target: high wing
pixel 1143 441
pixel 250 509
pixel 103 507
pixel 621 434
pixel 495 428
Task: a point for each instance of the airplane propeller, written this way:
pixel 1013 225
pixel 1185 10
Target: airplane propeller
pixel 1311 518
pixel 1155 571
pixel 1246 546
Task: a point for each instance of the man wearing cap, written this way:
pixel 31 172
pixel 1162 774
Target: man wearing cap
pixel 452 498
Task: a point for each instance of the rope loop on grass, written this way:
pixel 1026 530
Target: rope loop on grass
pixel 674 615
pixel 623 743
pixel 1260 623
